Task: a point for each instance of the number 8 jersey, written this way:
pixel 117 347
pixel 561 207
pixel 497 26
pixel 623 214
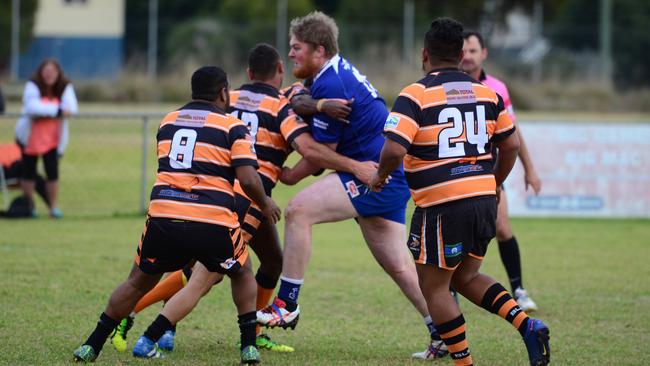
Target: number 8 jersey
pixel 198 148
pixel 447 122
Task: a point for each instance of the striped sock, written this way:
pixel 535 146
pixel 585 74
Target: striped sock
pixel 497 300
pixel 453 334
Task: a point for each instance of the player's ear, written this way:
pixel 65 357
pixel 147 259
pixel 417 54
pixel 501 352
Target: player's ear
pixel 484 52
pixel 280 67
pixel 425 56
pixel 249 73
pixel 321 51
pixel 224 96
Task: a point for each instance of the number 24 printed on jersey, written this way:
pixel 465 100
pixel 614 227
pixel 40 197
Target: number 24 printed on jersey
pixel 476 131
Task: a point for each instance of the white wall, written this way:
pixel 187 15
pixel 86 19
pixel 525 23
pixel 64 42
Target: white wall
pixel 90 18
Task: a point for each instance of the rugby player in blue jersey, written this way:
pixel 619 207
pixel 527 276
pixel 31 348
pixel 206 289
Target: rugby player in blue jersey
pixel 340 196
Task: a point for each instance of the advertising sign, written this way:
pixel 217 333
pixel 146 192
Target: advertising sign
pixel 587 169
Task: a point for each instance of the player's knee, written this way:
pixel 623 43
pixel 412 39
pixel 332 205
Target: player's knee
pixel 296 211
pixel 461 279
pixel 140 282
pixel 398 268
pixel 503 229
pixel 504 232
pixel 201 288
pixel 271 269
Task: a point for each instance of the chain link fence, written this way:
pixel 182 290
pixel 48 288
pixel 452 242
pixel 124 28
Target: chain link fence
pixel 108 167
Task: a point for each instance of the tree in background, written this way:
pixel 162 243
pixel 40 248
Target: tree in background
pixel 171 13
pixel 577 29
pixel 221 31
pixel 27 14
pixel 216 32
pixel 226 38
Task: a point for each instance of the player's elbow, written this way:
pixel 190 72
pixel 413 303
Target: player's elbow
pixel 510 144
pixel 309 152
pixel 247 177
pixel 247 183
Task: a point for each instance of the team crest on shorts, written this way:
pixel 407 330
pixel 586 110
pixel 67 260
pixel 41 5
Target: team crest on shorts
pixel 414 243
pixel 453 250
pixel 228 263
pixel 352 189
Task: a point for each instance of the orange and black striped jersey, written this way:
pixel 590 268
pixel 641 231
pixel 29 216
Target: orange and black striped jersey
pixel 198 148
pixel 447 122
pixel 293 90
pixel 272 124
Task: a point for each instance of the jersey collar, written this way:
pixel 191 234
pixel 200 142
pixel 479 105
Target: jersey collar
pixel 332 62
pixel 258 87
pixel 483 76
pixel 203 105
pixel 443 69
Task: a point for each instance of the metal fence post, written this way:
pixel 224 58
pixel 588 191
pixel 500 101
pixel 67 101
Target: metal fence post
pixel 145 157
pixel 3 186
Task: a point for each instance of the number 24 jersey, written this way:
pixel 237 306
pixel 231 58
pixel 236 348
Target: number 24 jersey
pixel 448 122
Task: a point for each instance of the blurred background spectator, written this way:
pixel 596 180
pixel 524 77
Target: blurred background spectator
pixel 42 131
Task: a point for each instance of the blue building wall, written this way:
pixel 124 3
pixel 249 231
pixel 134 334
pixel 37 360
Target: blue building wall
pixel 80 57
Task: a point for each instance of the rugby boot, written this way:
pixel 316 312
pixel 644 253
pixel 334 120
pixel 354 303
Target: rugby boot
pixel 277 315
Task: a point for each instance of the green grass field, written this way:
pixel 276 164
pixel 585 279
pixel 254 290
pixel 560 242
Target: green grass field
pixel 589 277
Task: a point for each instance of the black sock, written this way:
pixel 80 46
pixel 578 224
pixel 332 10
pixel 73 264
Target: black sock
pixel 265 281
pixel 158 328
pixel 247 323
pixel 289 305
pixel 509 250
pixel 104 327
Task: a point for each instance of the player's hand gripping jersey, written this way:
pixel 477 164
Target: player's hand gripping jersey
pixel 361 139
pixel 448 122
pixel 198 148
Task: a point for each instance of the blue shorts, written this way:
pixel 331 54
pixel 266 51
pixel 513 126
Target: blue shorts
pixel 390 203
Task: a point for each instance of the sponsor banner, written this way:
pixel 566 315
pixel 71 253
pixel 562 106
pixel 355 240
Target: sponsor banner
pixel 587 170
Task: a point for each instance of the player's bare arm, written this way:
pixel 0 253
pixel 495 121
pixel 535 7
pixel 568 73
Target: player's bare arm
pixel 392 154
pixel 305 105
pixel 298 172
pixel 530 174
pixel 508 150
pixel 325 156
pixel 252 185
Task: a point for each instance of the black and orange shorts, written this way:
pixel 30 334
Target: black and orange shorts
pixel 249 216
pixel 168 245
pixel 443 235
